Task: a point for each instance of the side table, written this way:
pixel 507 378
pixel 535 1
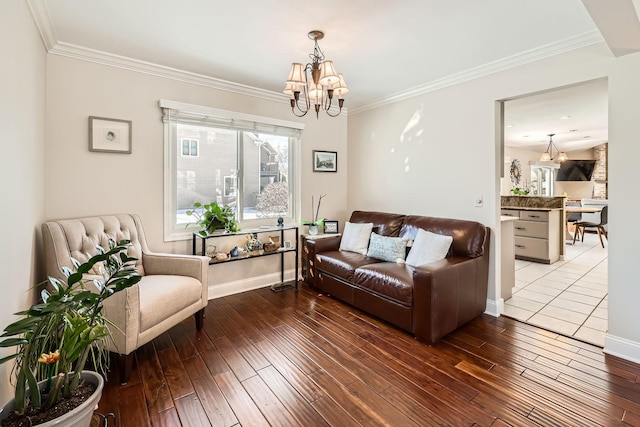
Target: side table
pixel 306 263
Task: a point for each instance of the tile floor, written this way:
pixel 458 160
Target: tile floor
pixel 568 297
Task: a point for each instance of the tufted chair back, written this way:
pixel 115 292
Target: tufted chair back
pixel 82 235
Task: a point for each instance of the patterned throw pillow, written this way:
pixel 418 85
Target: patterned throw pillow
pixel 391 249
pixel 428 247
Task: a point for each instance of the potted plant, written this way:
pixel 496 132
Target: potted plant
pixel 214 217
pixel 56 337
pixel 315 220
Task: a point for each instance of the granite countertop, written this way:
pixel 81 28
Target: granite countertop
pixel 524 208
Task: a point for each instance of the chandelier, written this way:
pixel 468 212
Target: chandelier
pixel 319 91
pixel 549 154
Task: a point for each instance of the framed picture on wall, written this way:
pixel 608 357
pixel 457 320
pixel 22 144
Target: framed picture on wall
pixel 109 135
pixel 325 161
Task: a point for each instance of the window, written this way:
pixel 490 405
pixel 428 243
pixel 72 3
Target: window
pixel 246 162
pixel 189 147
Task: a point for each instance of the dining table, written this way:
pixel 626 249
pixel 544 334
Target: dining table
pixel 568 210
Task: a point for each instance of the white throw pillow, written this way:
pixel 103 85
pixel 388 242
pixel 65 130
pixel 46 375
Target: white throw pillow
pixel 355 237
pixel 428 247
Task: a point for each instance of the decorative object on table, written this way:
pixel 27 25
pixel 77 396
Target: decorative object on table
pixel 56 337
pixel 234 252
pixel 221 256
pixel 318 88
pixel 280 221
pixel 325 161
pixel 109 135
pixel 211 251
pixel 330 227
pixel 315 220
pixel 213 217
pixel 286 244
pixel 272 245
pixel 253 244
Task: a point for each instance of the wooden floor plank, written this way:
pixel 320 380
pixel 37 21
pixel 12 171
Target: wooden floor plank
pixel 305 358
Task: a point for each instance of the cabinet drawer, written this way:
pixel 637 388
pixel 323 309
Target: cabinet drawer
pixel 531 229
pixel 531 247
pixel 535 215
pixel 510 212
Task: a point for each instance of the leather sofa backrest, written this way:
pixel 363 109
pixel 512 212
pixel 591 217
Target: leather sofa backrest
pixel 385 224
pixel 468 236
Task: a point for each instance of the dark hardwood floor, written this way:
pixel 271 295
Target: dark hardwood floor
pixel 290 359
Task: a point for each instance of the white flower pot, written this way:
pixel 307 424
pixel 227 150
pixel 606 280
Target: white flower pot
pixel 313 230
pixel 80 416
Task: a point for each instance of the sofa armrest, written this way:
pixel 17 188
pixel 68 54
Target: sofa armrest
pixel 175 264
pixel 447 294
pixel 326 244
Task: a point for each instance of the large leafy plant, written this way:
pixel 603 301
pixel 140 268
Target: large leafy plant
pixel 56 337
pixel 212 217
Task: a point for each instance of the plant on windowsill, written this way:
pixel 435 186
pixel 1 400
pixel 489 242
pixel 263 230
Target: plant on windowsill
pixel 214 217
pixel 56 337
pixel 315 220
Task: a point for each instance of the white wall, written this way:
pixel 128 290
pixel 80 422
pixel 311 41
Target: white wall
pixel 22 85
pixel 80 183
pixel 438 152
pixel 624 151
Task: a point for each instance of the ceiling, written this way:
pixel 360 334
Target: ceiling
pixel 385 50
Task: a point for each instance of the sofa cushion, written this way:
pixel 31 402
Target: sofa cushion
pixel 158 299
pixel 428 247
pixel 355 237
pixel 469 237
pixel 341 263
pixel 392 249
pixel 390 280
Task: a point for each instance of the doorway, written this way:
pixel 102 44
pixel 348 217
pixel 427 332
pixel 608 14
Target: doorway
pixel 569 297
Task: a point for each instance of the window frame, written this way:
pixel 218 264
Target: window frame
pixel 190 147
pixel 240 122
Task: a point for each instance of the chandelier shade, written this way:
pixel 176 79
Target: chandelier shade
pixel 315 85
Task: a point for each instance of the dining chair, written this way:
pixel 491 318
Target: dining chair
pixel 574 217
pixel 599 226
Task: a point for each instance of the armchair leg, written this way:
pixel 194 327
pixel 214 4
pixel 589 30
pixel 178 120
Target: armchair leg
pixel 199 319
pixel 126 361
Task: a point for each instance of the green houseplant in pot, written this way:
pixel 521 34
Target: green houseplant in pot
pixel 214 217
pixel 56 337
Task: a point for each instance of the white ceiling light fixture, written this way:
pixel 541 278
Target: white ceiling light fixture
pixel 319 91
pixel 549 154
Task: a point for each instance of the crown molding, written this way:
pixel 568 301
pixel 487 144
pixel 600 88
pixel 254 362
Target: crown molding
pixel 40 15
pixel 126 63
pixel 576 42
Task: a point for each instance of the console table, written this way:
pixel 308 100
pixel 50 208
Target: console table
pixel 282 250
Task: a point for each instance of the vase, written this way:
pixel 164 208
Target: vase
pixel 313 230
pixel 79 416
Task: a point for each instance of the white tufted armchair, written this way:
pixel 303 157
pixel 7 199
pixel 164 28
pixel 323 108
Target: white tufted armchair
pixel 172 288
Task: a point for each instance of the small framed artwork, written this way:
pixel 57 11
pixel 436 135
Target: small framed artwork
pixel 325 161
pixel 331 227
pixel 109 135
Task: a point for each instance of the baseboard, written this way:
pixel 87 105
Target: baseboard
pixel 495 308
pixel 230 288
pixel 622 348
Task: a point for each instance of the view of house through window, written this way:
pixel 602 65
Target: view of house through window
pixel 248 171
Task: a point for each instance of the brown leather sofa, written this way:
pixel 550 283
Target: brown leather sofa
pixel 428 301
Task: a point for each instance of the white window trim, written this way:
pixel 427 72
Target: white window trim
pixel 170 163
